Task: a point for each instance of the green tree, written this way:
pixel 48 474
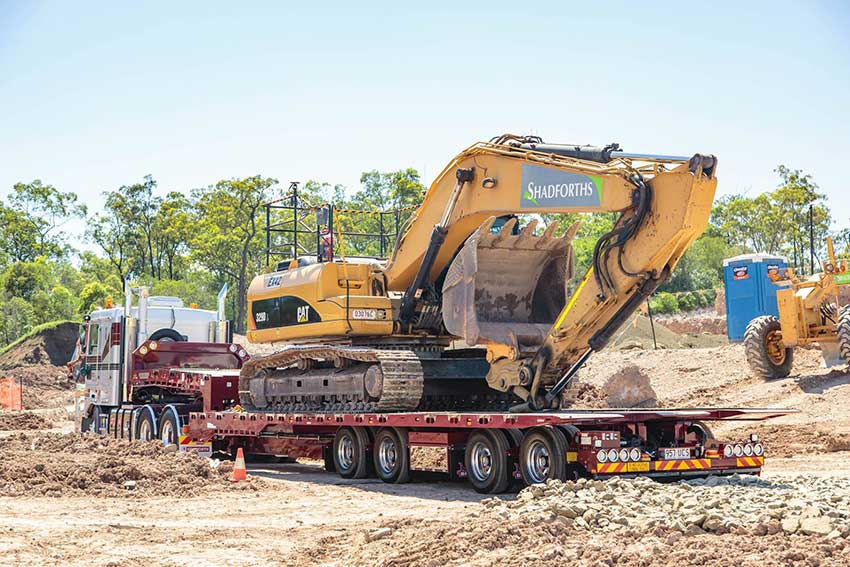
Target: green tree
pixel 43 211
pixel 16 318
pixel 25 279
pixel 228 238
pixel 776 222
pixel 94 295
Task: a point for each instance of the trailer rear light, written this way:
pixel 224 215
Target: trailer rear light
pixel 728 451
pixel 758 450
pixel 624 455
pixel 602 456
pixel 143 350
pixel 748 450
pixel 152 345
pixel 634 454
pixel 612 455
pixel 233 348
pixel 242 354
pixel 739 450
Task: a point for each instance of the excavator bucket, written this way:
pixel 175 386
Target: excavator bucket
pixel 507 286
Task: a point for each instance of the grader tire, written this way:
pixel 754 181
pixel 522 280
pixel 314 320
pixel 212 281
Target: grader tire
pixel 844 333
pixel 767 356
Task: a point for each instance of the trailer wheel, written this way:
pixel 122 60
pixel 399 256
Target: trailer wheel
pixel 350 452
pixel 542 455
pixel 169 427
pixel 844 333
pixel 767 356
pixel 486 461
pixel 391 453
pixel 145 427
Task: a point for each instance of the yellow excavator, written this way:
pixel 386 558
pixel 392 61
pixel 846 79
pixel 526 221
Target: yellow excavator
pixel 472 311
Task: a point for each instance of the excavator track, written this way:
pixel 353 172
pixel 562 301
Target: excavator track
pixel 400 389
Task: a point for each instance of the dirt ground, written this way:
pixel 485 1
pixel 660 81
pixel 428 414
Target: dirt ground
pixel 58 508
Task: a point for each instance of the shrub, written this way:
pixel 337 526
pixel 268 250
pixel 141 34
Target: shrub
pixel 687 302
pixel 665 303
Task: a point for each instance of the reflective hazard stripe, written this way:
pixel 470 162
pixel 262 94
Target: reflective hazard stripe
pixel 611 468
pixel 185 439
pixel 683 465
pixel 749 461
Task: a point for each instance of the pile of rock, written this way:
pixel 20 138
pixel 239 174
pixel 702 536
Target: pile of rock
pixel 736 504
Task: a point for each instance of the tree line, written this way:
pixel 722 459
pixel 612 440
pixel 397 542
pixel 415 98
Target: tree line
pixel 188 244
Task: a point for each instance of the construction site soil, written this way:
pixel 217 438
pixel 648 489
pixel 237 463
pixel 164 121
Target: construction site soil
pixel 65 498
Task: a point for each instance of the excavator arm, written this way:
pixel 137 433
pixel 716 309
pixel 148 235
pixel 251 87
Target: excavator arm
pixel 507 289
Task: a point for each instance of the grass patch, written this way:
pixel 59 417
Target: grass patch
pixel 33 332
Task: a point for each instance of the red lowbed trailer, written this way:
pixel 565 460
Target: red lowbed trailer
pixel 491 450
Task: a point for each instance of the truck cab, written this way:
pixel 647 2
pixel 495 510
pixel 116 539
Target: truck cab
pixel 111 335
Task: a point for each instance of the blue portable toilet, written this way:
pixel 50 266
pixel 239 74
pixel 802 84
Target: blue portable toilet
pixel 750 292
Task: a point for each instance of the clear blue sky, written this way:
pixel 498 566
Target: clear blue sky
pixel 94 95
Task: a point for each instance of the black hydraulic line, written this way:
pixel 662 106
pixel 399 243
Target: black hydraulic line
pixel 555 391
pixel 438 236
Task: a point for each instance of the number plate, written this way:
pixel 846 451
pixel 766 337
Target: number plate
pixel 365 314
pixel 678 453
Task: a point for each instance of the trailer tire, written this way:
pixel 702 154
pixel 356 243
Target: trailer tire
pixel 391 454
pixel 169 427
pixel 542 455
pixel 486 461
pixel 768 358
pixel 350 450
pixel 167 335
pixel 844 334
pixel 145 424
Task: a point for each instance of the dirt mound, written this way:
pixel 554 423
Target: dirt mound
pixel 630 388
pixel 696 323
pixel 53 346
pixel 541 531
pixel 22 420
pixel 43 386
pixel 795 439
pixel 637 333
pixel 77 465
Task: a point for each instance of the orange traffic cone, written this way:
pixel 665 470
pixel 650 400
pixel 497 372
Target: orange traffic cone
pixel 239 471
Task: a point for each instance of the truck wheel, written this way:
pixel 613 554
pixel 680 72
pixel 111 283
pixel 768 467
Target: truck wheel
pixel 145 429
pixel 767 356
pixel 350 452
pixel 844 333
pixel 92 423
pixel 167 335
pixel 486 461
pixel 169 427
pixel 391 453
pixel 542 455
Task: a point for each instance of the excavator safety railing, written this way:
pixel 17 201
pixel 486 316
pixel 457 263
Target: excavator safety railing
pixel 294 227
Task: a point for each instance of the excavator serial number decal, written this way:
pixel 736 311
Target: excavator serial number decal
pixel 543 187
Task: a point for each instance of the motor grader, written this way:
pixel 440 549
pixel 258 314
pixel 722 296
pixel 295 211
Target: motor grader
pixel 471 310
pixel 811 310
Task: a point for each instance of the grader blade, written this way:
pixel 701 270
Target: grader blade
pixel 507 287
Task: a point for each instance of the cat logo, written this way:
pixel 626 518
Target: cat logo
pixel 303 313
